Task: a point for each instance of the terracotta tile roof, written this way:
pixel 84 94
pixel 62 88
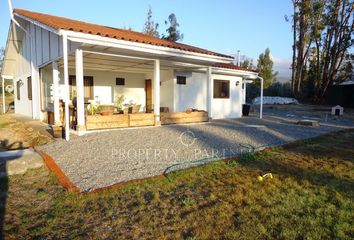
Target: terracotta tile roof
pixel 232 66
pixel 104 31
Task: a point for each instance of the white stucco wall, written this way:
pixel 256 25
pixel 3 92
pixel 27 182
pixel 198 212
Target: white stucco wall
pixel 166 88
pixel 193 94
pixel 106 91
pixel 24 105
pixel 228 107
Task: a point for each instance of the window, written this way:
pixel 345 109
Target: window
pixel 88 87
pixel 18 85
pixel 120 81
pixel 29 88
pixel 221 89
pixel 181 80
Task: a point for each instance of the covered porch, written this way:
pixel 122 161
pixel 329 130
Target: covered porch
pixel 109 89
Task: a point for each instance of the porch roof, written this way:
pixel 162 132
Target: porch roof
pixel 61 23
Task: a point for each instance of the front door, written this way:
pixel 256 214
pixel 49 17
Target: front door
pixel 148 94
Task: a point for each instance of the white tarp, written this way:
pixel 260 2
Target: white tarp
pixel 275 100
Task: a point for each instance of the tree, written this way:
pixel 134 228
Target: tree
pixel 265 68
pixel 346 70
pixel 151 28
pixel 247 63
pixel 322 35
pixel 173 34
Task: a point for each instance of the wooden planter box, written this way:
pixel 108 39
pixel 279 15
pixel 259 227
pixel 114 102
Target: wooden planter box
pixel 183 117
pixel 119 121
pixel 106 122
pixel 141 119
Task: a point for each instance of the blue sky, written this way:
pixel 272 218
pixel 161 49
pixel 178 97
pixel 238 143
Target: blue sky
pixel 224 26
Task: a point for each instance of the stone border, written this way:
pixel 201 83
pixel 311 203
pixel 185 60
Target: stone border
pixel 54 168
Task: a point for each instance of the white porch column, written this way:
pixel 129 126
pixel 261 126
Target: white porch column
pixel 157 92
pixel 66 86
pixel 80 108
pixel 56 93
pixel 210 94
pixel 261 103
pixel 3 95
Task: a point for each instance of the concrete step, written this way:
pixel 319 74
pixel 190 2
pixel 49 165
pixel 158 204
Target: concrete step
pixel 19 161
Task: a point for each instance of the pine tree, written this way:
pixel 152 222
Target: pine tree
pixel 173 34
pixel 151 28
pixel 265 68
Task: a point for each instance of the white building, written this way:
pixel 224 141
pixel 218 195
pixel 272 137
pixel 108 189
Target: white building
pixel 53 59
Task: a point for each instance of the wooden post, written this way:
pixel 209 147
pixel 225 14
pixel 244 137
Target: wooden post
pixel 80 105
pixel 157 92
pixel 66 86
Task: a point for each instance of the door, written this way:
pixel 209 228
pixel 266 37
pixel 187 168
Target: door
pixel 148 96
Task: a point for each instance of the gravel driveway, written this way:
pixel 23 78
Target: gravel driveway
pixel 105 158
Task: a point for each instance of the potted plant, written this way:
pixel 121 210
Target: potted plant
pixel 106 109
pixel 92 109
pixel 120 100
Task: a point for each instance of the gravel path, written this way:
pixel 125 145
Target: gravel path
pixel 102 159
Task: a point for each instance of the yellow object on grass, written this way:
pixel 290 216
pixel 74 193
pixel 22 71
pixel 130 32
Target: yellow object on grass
pixel 267 175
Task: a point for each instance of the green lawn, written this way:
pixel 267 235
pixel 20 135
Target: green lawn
pixel 310 197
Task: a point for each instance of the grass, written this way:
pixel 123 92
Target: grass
pixel 309 197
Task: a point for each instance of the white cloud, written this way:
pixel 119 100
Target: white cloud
pixel 283 67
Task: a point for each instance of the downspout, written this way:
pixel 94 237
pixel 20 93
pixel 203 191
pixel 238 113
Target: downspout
pixel 261 103
pixel 31 53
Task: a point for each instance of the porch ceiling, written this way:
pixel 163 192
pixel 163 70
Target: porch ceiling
pixel 96 58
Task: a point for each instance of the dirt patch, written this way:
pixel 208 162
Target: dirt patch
pixel 17 135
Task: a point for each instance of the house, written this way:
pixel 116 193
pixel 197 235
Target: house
pixel 342 93
pixel 53 60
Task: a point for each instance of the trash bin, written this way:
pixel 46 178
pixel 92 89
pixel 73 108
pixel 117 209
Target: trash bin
pixel 246 109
